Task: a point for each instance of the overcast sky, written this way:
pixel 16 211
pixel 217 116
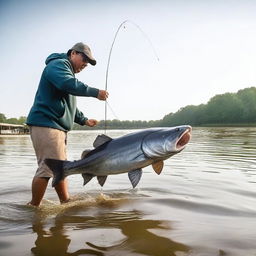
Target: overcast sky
pixel 204 47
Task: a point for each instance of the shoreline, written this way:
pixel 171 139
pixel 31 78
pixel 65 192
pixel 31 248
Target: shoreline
pixel 138 128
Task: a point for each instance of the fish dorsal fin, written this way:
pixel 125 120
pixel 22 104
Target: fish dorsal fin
pixel 87 177
pixel 135 176
pixel 85 153
pixel 101 180
pixel 158 167
pixel 100 140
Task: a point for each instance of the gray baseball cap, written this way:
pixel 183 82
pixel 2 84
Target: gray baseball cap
pixel 81 47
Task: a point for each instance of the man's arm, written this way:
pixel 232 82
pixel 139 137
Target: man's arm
pixel 58 72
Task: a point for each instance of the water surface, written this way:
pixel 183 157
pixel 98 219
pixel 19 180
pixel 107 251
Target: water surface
pixel 203 203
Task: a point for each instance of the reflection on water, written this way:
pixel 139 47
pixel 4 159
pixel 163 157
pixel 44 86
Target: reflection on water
pixel 202 204
pixel 137 237
pixel 52 242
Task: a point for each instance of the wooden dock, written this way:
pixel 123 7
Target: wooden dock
pixel 13 129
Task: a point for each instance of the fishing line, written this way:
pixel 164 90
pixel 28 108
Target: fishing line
pixel 109 57
pixel 113 112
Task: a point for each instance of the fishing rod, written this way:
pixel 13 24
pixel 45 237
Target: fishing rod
pixel 109 57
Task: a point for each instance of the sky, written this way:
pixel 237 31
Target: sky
pixel 204 48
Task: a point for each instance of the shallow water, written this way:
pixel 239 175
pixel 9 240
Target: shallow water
pixel 203 203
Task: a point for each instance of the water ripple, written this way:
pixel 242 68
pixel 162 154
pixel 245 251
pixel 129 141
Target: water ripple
pixel 203 208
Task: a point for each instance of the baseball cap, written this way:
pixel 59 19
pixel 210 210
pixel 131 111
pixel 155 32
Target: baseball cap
pixel 81 47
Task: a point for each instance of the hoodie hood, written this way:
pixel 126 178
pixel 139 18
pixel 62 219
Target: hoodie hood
pixel 55 56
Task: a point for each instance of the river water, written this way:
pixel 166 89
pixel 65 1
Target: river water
pixel 203 203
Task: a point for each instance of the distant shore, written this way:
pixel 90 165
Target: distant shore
pixel 136 128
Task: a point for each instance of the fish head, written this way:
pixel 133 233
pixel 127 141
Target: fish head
pixel 162 143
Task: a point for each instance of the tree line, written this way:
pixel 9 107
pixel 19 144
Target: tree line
pixel 223 109
pixel 21 120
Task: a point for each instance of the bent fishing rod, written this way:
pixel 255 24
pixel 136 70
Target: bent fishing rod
pixel 109 57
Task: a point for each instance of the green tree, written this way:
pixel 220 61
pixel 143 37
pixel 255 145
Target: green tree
pixel 22 120
pixel 2 118
pixel 225 108
pixel 12 120
pixel 248 99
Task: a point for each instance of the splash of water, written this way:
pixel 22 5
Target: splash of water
pixel 81 201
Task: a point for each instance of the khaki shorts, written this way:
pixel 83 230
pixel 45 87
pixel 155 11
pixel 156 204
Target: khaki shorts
pixel 48 143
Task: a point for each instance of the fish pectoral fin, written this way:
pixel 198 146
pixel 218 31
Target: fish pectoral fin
pixel 158 167
pixel 85 153
pixel 100 140
pixel 135 176
pixel 101 180
pixel 87 177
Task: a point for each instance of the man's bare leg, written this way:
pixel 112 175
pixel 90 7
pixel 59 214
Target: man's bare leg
pixel 62 191
pixel 39 186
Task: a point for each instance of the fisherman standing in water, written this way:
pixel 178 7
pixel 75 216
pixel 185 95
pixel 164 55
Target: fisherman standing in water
pixel 54 112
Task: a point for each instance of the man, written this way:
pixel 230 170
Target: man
pixel 54 111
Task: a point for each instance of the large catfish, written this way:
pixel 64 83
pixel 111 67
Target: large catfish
pixel 129 153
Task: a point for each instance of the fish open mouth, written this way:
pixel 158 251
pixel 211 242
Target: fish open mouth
pixel 184 139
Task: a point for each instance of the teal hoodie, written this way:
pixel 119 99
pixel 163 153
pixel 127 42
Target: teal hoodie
pixel 55 101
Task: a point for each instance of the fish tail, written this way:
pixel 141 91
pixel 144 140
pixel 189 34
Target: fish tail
pixel 57 168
